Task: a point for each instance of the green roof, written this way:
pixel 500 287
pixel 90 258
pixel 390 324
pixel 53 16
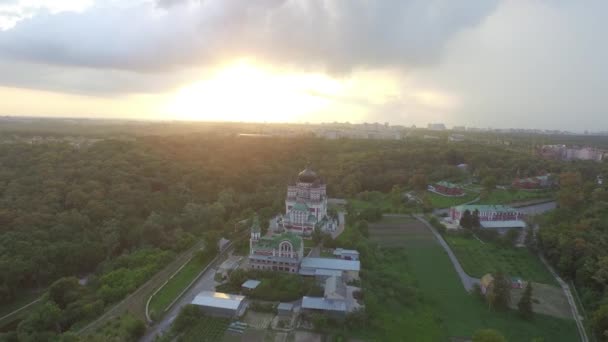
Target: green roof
pixel 300 207
pixel 497 208
pixel 275 240
pixel 255 224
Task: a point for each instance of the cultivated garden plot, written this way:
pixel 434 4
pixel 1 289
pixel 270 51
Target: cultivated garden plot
pixel 395 231
pixel 458 312
pixel 207 329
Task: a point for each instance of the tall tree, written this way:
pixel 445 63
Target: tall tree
pixel 501 289
pixel 525 302
pixel 489 183
pixel 570 194
pixel 419 182
pixel 475 222
pixel 466 221
pixel 530 240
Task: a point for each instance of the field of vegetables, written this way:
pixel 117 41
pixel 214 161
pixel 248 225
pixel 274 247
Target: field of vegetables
pixel 210 329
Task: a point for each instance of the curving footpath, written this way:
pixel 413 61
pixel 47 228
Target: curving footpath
pixel 467 281
pixel 575 314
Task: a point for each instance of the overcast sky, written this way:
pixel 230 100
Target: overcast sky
pixel 484 63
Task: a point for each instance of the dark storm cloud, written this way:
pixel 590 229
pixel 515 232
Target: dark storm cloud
pixel 336 35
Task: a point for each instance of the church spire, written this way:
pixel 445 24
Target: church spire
pixel 256 231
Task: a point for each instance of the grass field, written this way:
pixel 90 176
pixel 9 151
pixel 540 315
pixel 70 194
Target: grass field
pixel 438 201
pixel 478 259
pixel 508 196
pixel 308 243
pixel 176 285
pixel 387 203
pixel 454 311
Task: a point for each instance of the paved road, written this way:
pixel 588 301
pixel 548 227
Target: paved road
pixel 204 283
pixel 341 223
pixel 536 209
pixel 467 281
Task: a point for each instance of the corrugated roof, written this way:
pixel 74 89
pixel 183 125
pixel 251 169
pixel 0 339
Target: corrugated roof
pixel 328 273
pixel 331 264
pixel 481 208
pixel 503 224
pixel 320 303
pixel 251 284
pixel 340 251
pixel 218 300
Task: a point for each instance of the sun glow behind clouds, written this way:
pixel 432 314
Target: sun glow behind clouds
pixel 244 92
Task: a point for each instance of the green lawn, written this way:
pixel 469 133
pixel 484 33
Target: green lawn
pixel 308 243
pixel 509 196
pixel 387 203
pixel 461 314
pixel 439 201
pixel 417 296
pixel 478 259
pixel 177 284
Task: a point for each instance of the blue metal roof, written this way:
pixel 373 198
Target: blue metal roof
pixel 331 264
pixel 218 300
pixel 251 284
pixel 320 303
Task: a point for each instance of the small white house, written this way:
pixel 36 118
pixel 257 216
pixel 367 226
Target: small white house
pixel 220 304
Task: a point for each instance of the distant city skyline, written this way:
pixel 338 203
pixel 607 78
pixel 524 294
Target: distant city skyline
pixel 500 64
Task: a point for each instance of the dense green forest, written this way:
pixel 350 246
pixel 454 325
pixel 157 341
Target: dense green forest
pixel 116 211
pixel 575 239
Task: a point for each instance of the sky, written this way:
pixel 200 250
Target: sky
pixel 482 63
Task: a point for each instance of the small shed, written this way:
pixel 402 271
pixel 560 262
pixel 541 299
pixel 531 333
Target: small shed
pixel 346 254
pixel 334 307
pixel 517 283
pixel 284 309
pixel 250 285
pixel 220 304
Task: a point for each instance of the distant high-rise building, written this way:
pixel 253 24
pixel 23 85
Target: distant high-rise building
pixel 436 126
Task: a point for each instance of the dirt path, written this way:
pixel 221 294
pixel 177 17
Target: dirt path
pixel 467 281
pixel 577 317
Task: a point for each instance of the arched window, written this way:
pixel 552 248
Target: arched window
pixel 285 249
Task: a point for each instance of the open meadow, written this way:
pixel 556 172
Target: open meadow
pixel 456 312
pixel 478 258
pixel 439 201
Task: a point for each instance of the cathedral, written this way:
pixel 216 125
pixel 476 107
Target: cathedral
pixel 306 205
pixel 280 252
